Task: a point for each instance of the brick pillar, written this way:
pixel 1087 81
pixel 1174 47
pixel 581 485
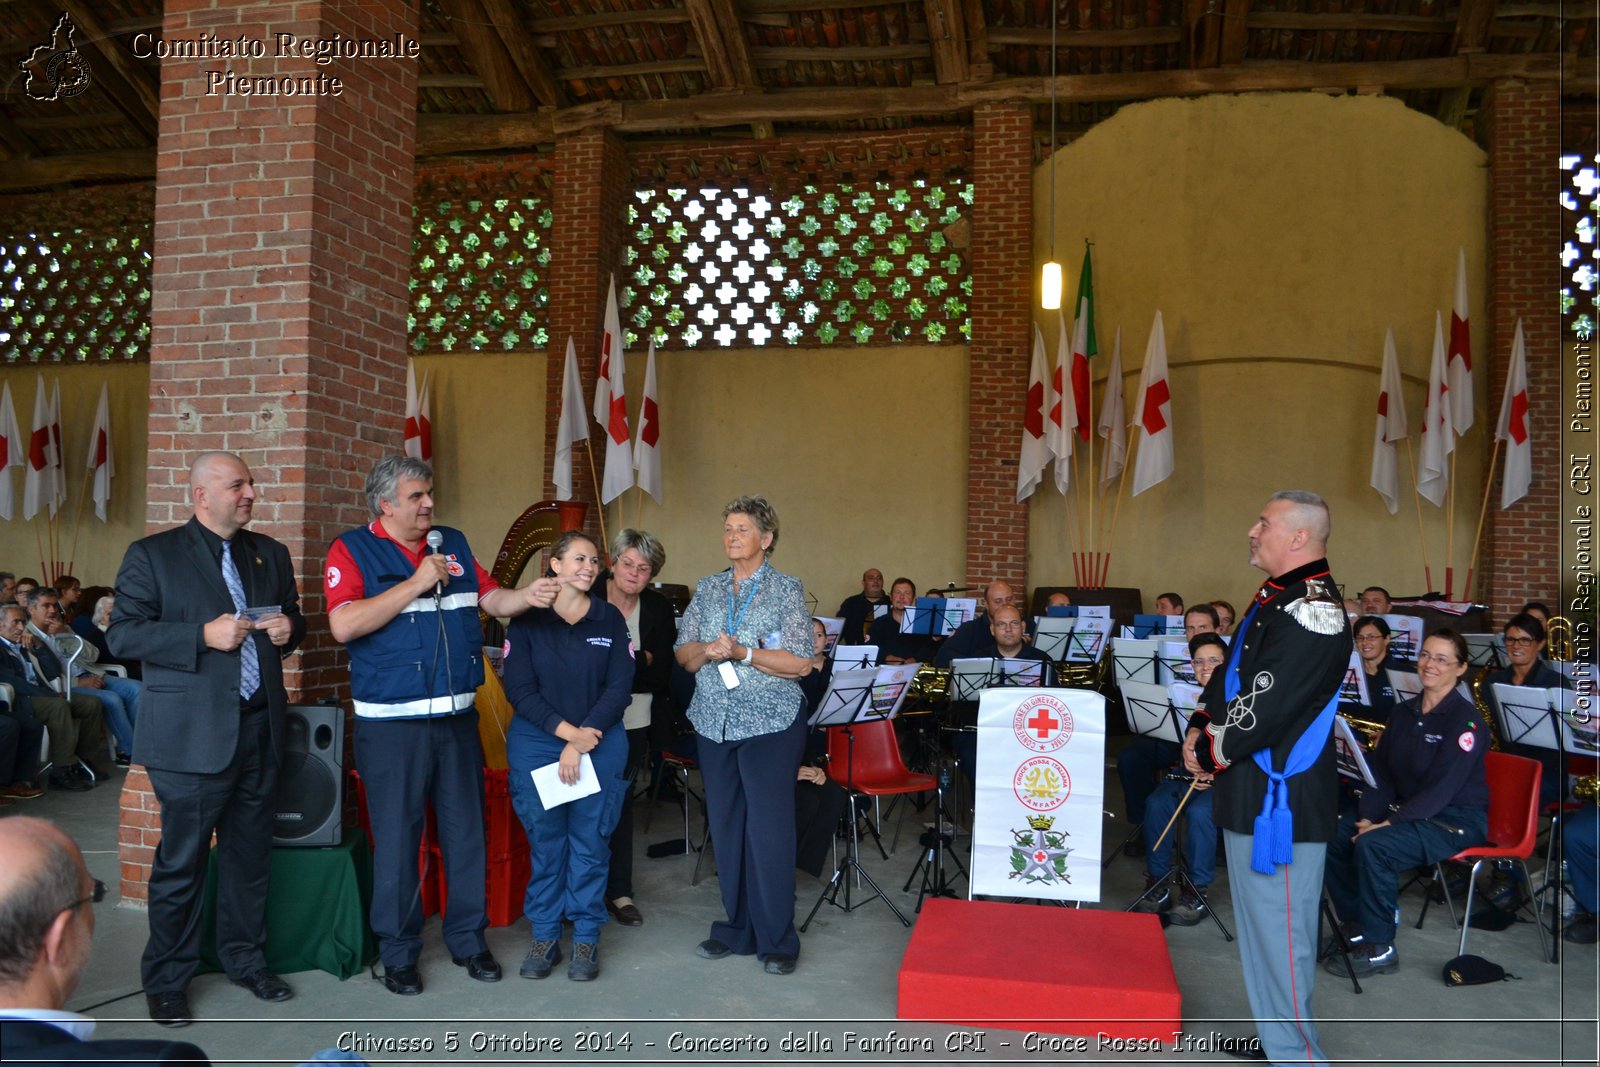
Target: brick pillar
pixel 1522 554
pixel 278 309
pixel 586 238
pixel 1002 296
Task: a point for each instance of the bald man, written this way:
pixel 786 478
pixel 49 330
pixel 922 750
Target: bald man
pixel 210 608
pixel 48 900
pixel 861 609
pixel 974 639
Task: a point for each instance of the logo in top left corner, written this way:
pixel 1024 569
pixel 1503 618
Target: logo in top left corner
pixel 56 70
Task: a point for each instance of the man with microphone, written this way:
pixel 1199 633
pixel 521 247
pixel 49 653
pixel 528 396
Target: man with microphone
pixel 403 598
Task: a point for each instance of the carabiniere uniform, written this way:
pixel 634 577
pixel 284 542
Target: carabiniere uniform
pixel 1293 658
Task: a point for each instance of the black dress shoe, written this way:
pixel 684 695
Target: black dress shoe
pixel 266 986
pixel 169 1009
pixel 778 965
pixel 626 914
pixel 67 781
pixel 404 980
pixel 712 949
pixel 481 967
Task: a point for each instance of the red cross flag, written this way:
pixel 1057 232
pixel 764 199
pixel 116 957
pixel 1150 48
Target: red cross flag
pixel 102 467
pixel 610 344
pixel 12 449
pixel 618 478
pixel 647 446
pixel 1513 427
pixel 572 428
pixel 1438 433
pixel 38 487
pixel 1458 366
pixel 1153 414
pixel 1034 451
pixel 1113 428
pixel 1391 427
pixel 1063 413
pixel 419 428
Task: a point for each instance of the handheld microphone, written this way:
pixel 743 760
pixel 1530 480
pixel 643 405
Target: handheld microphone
pixel 435 541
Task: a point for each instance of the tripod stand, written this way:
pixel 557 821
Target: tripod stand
pixel 1178 874
pixel 934 843
pixel 849 864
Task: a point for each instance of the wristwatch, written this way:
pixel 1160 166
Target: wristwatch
pixel 749 655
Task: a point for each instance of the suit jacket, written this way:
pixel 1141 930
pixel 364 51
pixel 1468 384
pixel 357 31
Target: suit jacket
pixel 27 1043
pixel 15 674
pixel 48 653
pixel 168 588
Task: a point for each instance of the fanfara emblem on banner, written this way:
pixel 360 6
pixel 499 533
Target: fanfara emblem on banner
pixel 1039 854
pixel 1042 784
pixel 1042 723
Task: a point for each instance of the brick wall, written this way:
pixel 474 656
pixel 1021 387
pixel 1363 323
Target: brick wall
pixel 1003 290
pixel 279 296
pixel 1521 555
pixel 590 189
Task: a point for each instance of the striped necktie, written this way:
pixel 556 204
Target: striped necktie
pixel 249 658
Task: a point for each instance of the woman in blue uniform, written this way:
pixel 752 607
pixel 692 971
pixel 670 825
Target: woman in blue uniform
pixel 568 671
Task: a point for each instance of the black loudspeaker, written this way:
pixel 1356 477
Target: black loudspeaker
pixel 310 810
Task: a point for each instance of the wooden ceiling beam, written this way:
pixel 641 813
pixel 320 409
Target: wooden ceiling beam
pixel 1294 20
pixel 859 53
pixel 127 165
pixel 948 37
pixel 792 7
pixel 632 70
pixel 719 29
pixel 1235 32
pixel 1202 34
pixel 448 135
pixel 979 69
pixel 1139 36
pixel 527 58
pixel 486 54
pixel 132 89
pixel 14 140
pixel 601 19
pixel 1472 25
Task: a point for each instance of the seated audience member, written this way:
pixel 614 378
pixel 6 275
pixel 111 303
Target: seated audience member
pixel 859 611
pixel 48 899
pixel 974 638
pixel 1225 617
pixel 118 697
pixel 819 802
pixel 91 626
pixel 1431 801
pixel 894 646
pixel 1200 619
pixel 77 728
pixel 1207 652
pixel 70 590
pixel 1372 645
pixel 1169 604
pixel 23 587
pixel 8 587
pixel 1525 644
pixel 1375 601
pixel 1580 834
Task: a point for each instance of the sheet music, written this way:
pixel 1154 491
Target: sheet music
pixel 1525 716
pixel 1175 658
pixel 833 628
pixel 1149 711
pixel 1405 638
pixel 1353 689
pixel 1072 639
pixel 1406 684
pixel 1351 757
pixel 864 693
pixel 1486 650
pixel 1139 661
pixel 855 657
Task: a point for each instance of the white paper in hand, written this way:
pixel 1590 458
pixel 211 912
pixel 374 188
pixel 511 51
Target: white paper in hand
pixel 553 792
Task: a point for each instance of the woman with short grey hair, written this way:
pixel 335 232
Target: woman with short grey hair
pixel 746 637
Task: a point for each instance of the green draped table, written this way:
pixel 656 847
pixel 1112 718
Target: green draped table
pixel 316 909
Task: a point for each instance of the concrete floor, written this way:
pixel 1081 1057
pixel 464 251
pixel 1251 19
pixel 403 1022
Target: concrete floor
pixel 653 986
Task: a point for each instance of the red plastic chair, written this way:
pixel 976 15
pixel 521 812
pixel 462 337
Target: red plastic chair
pixel 1513 829
pixel 865 758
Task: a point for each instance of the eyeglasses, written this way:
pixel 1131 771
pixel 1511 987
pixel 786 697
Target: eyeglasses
pixel 1364 638
pixel 96 897
pixel 1437 661
pixel 1520 641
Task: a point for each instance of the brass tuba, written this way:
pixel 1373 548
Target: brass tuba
pixel 1481 700
pixel 1558 637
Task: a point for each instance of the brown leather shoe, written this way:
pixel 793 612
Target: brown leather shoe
pixel 626 914
pixel 21 791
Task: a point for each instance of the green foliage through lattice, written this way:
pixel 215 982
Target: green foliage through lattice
pixel 67 297
pixel 868 262
pixel 1580 255
pixel 478 272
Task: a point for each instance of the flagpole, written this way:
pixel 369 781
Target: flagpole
pixel 1122 484
pixel 1450 532
pixel 1422 541
pixel 599 507
pixel 40 544
pixel 77 522
pixel 1483 512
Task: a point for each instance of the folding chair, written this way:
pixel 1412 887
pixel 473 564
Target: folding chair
pixel 1513 831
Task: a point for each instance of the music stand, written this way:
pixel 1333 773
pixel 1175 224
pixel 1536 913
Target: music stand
pixel 1137 660
pixel 855 657
pixel 1485 650
pixel 970 677
pixel 1150 714
pixel 935 843
pixel 1353 689
pixel 850 699
pixel 1349 753
pixel 1072 640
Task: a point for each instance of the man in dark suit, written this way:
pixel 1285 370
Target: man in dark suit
pixel 211 725
pixel 48 899
pixel 77 728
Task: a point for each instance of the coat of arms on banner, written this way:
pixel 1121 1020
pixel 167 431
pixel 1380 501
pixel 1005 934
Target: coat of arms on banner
pixel 1042 784
pixel 1039 854
pixel 1042 723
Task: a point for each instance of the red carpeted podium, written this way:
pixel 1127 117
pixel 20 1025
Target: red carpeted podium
pixel 1052 970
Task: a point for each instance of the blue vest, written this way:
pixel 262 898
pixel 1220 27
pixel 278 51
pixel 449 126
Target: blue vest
pixel 403 670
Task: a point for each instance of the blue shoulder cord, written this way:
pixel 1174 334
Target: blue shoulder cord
pixel 1272 842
